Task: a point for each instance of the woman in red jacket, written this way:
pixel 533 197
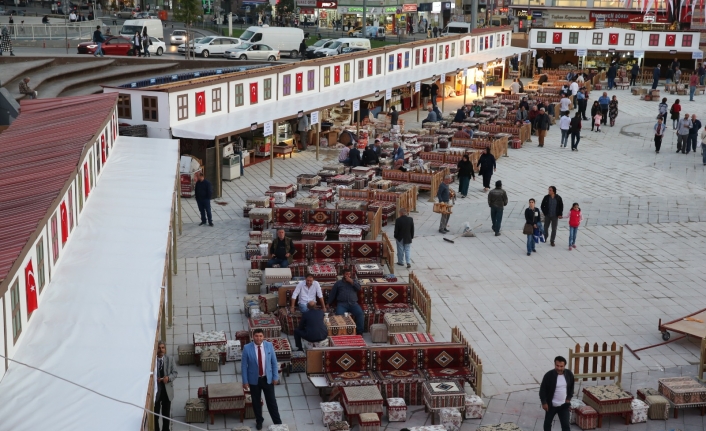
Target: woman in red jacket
pixel 575 219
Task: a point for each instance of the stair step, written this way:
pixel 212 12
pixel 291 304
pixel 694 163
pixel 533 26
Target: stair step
pixel 57 72
pixel 11 71
pixel 56 88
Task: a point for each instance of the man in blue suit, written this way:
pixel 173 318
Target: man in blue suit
pixel 260 374
pixel 311 327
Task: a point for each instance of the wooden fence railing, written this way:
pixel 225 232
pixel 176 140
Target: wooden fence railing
pixel 476 365
pixel 421 300
pixel 593 364
pixel 375 220
pixel 388 252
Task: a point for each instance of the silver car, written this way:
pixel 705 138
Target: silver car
pixel 214 45
pixel 253 51
pixel 178 37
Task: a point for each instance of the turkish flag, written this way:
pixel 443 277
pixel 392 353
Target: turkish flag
pixel 370 67
pixel 336 74
pixel 468 46
pixel 424 55
pixel 399 61
pixel 253 93
pixel 64 223
pixel 557 37
pixel 86 185
pixel 503 40
pixel 670 40
pixel 31 287
pixel 446 50
pixel 201 103
pixel 613 39
pixel 300 78
pixel 103 156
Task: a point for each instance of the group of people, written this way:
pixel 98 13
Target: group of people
pixel 552 208
pixel 687 128
pixel 674 73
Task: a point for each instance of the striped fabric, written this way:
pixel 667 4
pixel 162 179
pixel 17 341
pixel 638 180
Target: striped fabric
pixel 413 338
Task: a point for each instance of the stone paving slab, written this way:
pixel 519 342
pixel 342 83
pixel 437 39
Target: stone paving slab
pixel 638 259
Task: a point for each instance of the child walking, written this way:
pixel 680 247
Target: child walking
pixel 597 121
pixel 575 219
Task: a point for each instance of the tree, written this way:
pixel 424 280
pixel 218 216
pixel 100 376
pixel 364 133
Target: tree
pixel 188 12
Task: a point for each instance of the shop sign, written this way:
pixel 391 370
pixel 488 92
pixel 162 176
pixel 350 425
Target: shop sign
pixel 521 13
pixel 446 5
pixel 390 9
pixel 639 54
pixel 327 4
pixel 306 11
pixel 621 17
pixel 424 7
pixel 436 7
pixel 672 51
pixel 267 130
pixel 697 55
pixel 581 52
pixel 557 49
pixel 315 117
pixel 537 14
pixel 570 17
pixel 409 8
pixel 306 3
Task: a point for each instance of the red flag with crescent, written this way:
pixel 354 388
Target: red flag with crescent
pixel 253 93
pixel 671 39
pixel 31 288
pixel 103 155
pixel 557 37
pixel 86 185
pixel 299 83
pixel 468 46
pixel 336 74
pixel 64 223
pixel 613 39
pixel 201 103
pixel 424 55
pixel 446 50
pixel 370 67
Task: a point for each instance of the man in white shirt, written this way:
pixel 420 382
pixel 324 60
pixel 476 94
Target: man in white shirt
pixel 574 87
pixel 305 292
pixel 514 87
pixel 564 104
pixel 555 394
pixel 540 65
pixel 564 125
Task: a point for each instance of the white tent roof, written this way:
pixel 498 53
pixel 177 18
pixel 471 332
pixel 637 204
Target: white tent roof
pixel 97 322
pixel 212 126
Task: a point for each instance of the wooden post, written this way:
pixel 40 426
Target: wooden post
pixel 418 103
pixel 465 87
pixel 273 142
pixel 179 208
pixel 218 168
pixel 163 317
pixel 318 139
pixel 442 95
pixel 502 77
pixel 174 241
pixel 167 303
pixel 357 124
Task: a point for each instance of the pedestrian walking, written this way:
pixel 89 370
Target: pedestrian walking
pixel 465 173
pixel 677 75
pixel 203 192
pixel 260 374
pixel 98 39
pixel 302 50
pixel 597 119
pixel 564 125
pixel 404 233
pixel 564 104
pixel 435 31
pixel 675 64
pixel 311 326
pixel 303 129
pixel 662 110
pixel 5 41
pixel 693 134
pixel 655 76
pixel 575 219
pixel 540 65
pixel 633 74
pixel 165 374
pixel 137 44
pixel 702 73
pixel 486 167
pixel 345 294
pixel 582 101
pixel 659 129
pixel 552 207
pixel 555 394
pixel 532 218
pixel 542 123
pixel 444 196
pixel 26 89
pixel 497 201
pixel 683 127
pixel 434 94
pixel 670 76
pixel 675 112
pixel 604 102
pixel 307 290
pixel 575 131
pixel 613 110
pixel 146 42
pixel 693 82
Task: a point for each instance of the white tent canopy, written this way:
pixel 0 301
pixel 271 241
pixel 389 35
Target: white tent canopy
pixel 96 325
pixel 213 126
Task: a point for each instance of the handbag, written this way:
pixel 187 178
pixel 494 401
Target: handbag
pixel 528 229
pixel 538 236
pixel 442 208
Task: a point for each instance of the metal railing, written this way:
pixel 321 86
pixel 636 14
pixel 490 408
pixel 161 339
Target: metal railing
pixel 53 31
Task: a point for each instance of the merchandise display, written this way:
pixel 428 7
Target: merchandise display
pixel 396 410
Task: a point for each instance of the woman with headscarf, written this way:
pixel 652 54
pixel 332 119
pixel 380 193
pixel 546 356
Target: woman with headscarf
pixel 5 41
pixel 595 109
pixel 465 173
pixel 613 110
pixel 486 167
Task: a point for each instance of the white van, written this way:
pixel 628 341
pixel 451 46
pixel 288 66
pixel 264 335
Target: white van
pixel 132 26
pixel 345 42
pixel 284 39
pixel 456 28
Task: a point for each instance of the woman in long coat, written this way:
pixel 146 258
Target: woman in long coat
pixel 5 41
pixel 465 173
pixel 486 167
pixel 613 110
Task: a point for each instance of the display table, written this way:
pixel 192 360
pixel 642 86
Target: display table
pixel 439 395
pixel 268 323
pixel 226 398
pixel 340 325
pixel 350 234
pixel 323 271
pixel 361 399
pixel 683 392
pixel 608 400
pixel 277 275
pixel 282 150
pixel 347 340
pixel 210 340
pixel 324 194
pixel 368 270
pixel 314 232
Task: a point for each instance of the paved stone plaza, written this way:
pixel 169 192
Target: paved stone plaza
pixel 639 258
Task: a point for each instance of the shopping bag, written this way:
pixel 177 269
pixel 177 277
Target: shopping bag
pixel 538 236
pixel 473 87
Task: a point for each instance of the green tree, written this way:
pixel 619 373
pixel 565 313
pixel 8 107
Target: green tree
pixel 188 12
pixel 285 7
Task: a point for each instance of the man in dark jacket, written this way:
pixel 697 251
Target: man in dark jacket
pixel 404 232
pixel 370 157
pixel 633 74
pixel 497 200
pixel 611 74
pixel 444 195
pixel 555 394
pixel 541 123
pixel 552 207
pixel 302 50
pixel 203 193
pixel 354 156
pixel 311 327
pixel 281 251
pixel 345 294
pixel 655 76
pixel 98 40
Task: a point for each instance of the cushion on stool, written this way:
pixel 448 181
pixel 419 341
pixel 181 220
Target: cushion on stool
pixel 658 407
pixel 339 426
pixel 575 403
pixel 378 331
pixel 396 410
pixel 639 412
pixel 186 354
pixel 331 412
pixel 369 421
pixel 586 418
pixel 451 419
pixel 474 407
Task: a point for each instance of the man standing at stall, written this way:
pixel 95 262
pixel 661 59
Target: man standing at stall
pixel 260 374
pixel 444 195
pixel 303 129
pixel 555 394
pixel 203 192
pixel 165 374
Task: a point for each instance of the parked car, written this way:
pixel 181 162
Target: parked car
pixel 350 49
pixel 127 13
pixel 356 28
pixel 253 51
pixel 146 15
pixel 115 45
pixel 177 37
pixel 340 44
pixel 157 47
pixel 372 32
pixel 321 43
pixel 212 45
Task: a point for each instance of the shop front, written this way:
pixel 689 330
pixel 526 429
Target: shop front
pixel 317 12
pixel 376 16
pixel 629 20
